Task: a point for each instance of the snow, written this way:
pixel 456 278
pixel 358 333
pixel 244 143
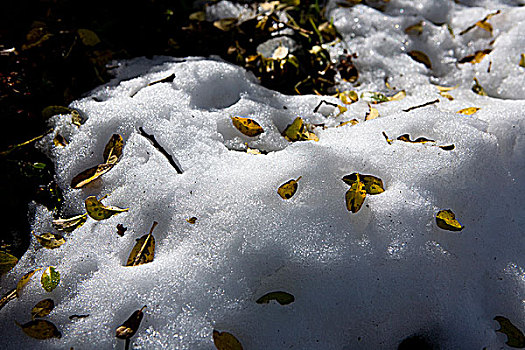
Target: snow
pixel 366 280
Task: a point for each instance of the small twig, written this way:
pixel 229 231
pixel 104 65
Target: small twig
pixel 13 147
pixel 423 105
pixel 326 102
pixel 161 149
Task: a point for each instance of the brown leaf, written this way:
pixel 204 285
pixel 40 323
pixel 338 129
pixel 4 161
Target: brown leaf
pixel 144 250
pixel 225 341
pixel 40 329
pixel 421 57
pixel 131 325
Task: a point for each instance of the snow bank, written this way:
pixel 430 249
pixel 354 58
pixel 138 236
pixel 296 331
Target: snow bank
pixel 366 280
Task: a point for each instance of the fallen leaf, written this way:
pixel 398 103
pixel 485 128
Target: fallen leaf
pixel 478 89
pixel 42 308
pixel 468 111
pixel 40 329
pixel 447 96
pixel 225 24
pixel 373 185
pixel 7 262
pixel 347 97
pixel 415 29
pixel 446 220
pixel 398 96
pixel 131 325
pixel 355 196
pixel 90 175
pixel 247 126
pixel 192 220
pixel 98 211
pixel 522 60
pixel 485 25
pixel 88 37
pixel 60 141
pixel 446 88
pixel 515 337
pixel 113 149
pixel 447 147
pixel 50 279
pixel 50 111
pixel 77 118
pixel 50 240
pixel 406 138
pixel 121 229
pixel 144 250
pixel 282 298
pixel 374 97
pixel 70 224
pixel 25 280
pixel 288 189
pixel 421 57
pixel 164 80
pixel 298 131
pixel 352 122
pixel 372 113
pixel 199 16
pixel 225 341
pixel 476 57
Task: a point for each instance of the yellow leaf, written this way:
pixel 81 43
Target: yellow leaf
pixel 341 110
pixel 50 240
pixel 144 250
pixel 298 131
pixel 372 113
pixel 522 60
pixel 70 224
pixel 421 57
pixel 113 149
pixel 192 220
pixel 90 175
pixel 225 341
pixel 60 141
pixel 42 308
pixel 468 111
pixel 373 185
pixel 347 97
pixel 131 325
pixel 50 279
pixel 40 329
pixel 88 37
pixel 247 126
pixel 25 280
pixel 98 211
pixel 352 122
pixel 399 96
pixel 7 262
pixel 446 88
pixel 515 337
pixel 446 220
pixel 478 89
pixel 477 57
pixel 288 189
pixel 447 96
pixel 485 25
pixel 406 138
pixel 355 196
pixel 415 29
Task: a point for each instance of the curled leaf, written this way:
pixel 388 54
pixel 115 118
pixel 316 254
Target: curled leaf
pixel 398 96
pixel 50 240
pixel 298 131
pixel 478 89
pixel 372 113
pixel 468 111
pixel 25 280
pixel 355 196
pixel 282 298
pixel 446 88
pixel 406 138
pixel 40 329
pixel 225 341
pixel 415 29
pixel 42 308
pixel 446 220
pixel 144 250
pixel 447 147
pixel 113 149
pixel 90 175
pixel 192 220
pixel 70 224
pixel 50 279
pixel 98 211
pixel 477 57
pixel 373 185
pixel 421 57
pixel 515 337
pixel 288 189
pixel 131 325
pixel 247 126
pixel 351 122
pixel 7 262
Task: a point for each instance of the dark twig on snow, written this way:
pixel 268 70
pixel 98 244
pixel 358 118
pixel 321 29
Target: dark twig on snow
pixel 423 105
pixel 161 149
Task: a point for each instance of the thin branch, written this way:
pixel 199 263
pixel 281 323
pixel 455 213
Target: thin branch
pixel 161 149
pixel 423 105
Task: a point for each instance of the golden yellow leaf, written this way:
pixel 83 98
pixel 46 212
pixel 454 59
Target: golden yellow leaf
pixel 447 96
pixel 288 189
pixel 347 97
pixel 415 29
pixel 70 224
pixel 88 37
pixel 355 196
pixel 144 250
pixel 7 262
pixel 192 220
pixel 372 113
pixel 468 111
pixel 373 184
pixel 50 279
pixel 446 88
pixel 352 122
pixel 446 220
pixel 398 96
pixel 113 149
pixel 522 60
pixel 131 325
pixel 90 175
pixel 477 57
pixel 40 329
pixel 50 240
pixel 421 57
pixel 298 131
pixel 406 138
pixel 225 341
pixel 25 280
pixel 98 211
pixel 42 308
pixel 485 25
pixel 60 141
pixel 515 337
pixel 247 126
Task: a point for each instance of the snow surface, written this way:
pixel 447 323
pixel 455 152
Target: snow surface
pixel 366 280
